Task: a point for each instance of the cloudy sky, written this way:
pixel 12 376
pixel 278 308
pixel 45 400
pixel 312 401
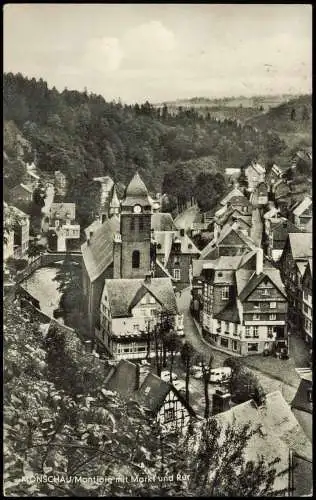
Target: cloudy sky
pixel 162 52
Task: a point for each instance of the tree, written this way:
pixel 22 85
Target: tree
pixel 187 357
pixel 243 384
pixel 305 113
pixel 206 363
pixel 172 343
pixel 208 190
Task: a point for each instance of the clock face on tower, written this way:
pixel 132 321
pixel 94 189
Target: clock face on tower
pixel 137 209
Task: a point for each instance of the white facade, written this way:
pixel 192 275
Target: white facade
pixel 125 337
pixel 308 314
pixel 8 246
pixel 173 415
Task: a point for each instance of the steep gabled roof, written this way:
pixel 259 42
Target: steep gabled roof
pixel 94 226
pixel 230 194
pixel 256 279
pixel 98 253
pixel 123 294
pixel 153 392
pixel 301 245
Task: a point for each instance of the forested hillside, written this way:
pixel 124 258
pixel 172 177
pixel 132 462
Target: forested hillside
pixel 291 120
pixel 82 134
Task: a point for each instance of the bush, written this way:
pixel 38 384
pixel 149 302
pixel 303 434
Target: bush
pixel 233 363
pixel 244 386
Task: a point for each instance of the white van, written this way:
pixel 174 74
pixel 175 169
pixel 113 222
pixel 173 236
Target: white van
pixel 221 374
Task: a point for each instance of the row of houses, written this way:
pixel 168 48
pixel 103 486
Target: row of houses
pixel 247 222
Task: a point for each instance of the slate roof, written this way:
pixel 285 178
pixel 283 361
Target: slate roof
pixel 98 254
pixel 282 227
pixel 230 313
pixel 123 379
pixel 255 280
pixel 163 270
pixel 153 391
pixel 300 401
pixel 231 193
pixel 301 245
pixel 302 206
pixel 242 278
pixel 301 267
pixel 239 200
pixel 279 432
pixel 162 222
pixel 93 227
pixel 136 193
pixel 115 202
pixel 122 292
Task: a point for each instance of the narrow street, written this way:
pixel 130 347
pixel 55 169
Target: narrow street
pixel 269 383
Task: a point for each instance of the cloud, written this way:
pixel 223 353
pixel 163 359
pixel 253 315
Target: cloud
pixel 103 54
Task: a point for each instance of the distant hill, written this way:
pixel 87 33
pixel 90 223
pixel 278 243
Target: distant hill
pixel 232 102
pixel 292 121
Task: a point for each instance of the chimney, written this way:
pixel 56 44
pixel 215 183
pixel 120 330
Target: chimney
pixel 221 401
pixel 147 278
pixel 259 261
pixel 137 377
pixel 181 232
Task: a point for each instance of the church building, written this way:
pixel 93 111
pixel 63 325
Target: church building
pixel 120 268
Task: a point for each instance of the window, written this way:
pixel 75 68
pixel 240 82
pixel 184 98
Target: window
pixel 151 299
pixel 252 347
pixel 256 317
pixel 256 305
pixel 247 331
pixel 272 305
pixel 265 291
pixel 272 317
pixel 227 327
pixel 235 345
pixel 177 274
pixel 255 331
pixel 135 259
pixel 169 414
pixel 136 328
pixel 305 309
pixel 236 330
pixel 270 331
pixel 225 293
pixel 224 342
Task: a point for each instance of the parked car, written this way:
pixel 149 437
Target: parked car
pixel 219 375
pixel 179 385
pixel 165 375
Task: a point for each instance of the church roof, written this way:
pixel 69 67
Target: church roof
pixel 115 202
pixel 98 253
pixel 136 192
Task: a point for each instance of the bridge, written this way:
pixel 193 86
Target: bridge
pixel 46 259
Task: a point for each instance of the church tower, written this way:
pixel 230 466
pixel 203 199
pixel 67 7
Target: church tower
pixel 135 222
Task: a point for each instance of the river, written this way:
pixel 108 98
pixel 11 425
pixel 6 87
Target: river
pixel 42 287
